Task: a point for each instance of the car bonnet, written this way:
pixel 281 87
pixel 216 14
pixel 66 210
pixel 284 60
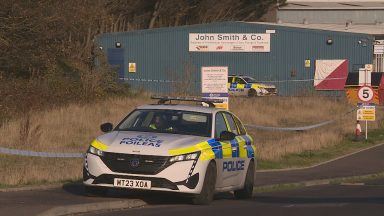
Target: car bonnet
pixel 147 143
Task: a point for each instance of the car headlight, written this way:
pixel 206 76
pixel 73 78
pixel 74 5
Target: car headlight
pixel 185 157
pixel 95 151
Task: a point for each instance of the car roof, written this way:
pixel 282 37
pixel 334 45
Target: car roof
pixel 191 108
pixel 238 76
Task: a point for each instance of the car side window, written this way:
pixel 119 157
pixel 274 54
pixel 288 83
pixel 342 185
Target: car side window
pixel 240 126
pixel 239 80
pixel 231 123
pixel 220 125
pixel 230 79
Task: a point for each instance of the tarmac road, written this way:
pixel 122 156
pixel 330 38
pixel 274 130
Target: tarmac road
pixel 329 200
pixel 365 162
pixel 37 201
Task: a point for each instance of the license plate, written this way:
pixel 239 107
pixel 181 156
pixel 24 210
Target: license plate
pixel 132 183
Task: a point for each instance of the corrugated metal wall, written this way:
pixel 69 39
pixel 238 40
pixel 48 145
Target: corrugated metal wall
pixel 331 16
pixel 162 57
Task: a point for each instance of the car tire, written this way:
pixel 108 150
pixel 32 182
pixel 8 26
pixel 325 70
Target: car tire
pixel 95 191
pixel 252 92
pixel 207 192
pixel 246 191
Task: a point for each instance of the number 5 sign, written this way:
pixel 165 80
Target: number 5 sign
pixel 365 93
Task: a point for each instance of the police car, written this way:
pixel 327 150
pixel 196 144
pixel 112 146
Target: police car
pixel 188 149
pixel 247 86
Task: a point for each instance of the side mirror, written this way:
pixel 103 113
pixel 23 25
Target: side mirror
pixel 106 127
pixel 227 135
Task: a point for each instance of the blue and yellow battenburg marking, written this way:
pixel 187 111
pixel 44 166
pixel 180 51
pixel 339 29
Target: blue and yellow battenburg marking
pixel 241 87
pixel 250 147
pixel 217 148
pixel 241 147
pixel 235 145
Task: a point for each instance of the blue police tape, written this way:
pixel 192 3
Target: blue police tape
pixel 153 80
pixel 303 128
pixel 40 154
pixel 259 81
pixel 300 80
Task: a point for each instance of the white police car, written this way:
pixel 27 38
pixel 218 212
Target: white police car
pixel 239 85
pixel 171 147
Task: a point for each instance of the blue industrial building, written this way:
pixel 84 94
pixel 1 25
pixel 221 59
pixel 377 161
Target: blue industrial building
pixel 163 61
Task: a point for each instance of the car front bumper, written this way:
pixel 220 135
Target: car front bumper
pixel 183 176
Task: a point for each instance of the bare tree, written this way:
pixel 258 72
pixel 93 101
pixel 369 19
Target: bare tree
pixel 35 35
pixel 155 14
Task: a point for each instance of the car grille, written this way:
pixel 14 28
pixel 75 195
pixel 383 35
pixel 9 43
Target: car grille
pixel 135 164
pixel 155 182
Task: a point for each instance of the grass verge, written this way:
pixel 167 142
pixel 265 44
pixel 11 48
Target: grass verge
pixel 309 158
pixel 276 188
pixel 27 171
pixel 38 185
pixel 335 181
pixel 358 179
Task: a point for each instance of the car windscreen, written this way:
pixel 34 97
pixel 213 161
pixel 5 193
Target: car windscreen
pixel 168 121
pixel 249 80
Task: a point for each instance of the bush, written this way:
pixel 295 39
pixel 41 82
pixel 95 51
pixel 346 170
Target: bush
pixel 67 82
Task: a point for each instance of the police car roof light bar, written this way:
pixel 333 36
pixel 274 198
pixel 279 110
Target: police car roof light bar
pixel 210 102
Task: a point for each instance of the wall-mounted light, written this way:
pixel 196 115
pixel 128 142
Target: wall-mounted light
pixel 118 45
pixel 329 41
pixel 363 42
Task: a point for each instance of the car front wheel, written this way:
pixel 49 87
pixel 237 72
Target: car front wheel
pixel 252 93
pixel 246 191
pixel 206 195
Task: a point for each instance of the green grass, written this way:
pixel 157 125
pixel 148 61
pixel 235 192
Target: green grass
pixel 308 158
pixel 335 181
pixel 40 183
pixel 358 179
pixel 278 187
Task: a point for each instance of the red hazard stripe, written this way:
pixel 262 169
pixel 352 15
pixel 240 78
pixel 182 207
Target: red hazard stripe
pixel 336 79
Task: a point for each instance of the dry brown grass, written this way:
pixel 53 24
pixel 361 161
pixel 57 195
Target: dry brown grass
pixel 68 129
pixel 29 170
pixel 294 112
pixel 72 128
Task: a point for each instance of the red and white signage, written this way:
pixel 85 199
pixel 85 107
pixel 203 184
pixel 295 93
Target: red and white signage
pixel 330 74
pixel 229 42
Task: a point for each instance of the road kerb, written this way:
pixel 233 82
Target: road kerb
pixel 352 184
pixel 350 180
pixel 93 207
pixel 322 163
pixel 30 188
